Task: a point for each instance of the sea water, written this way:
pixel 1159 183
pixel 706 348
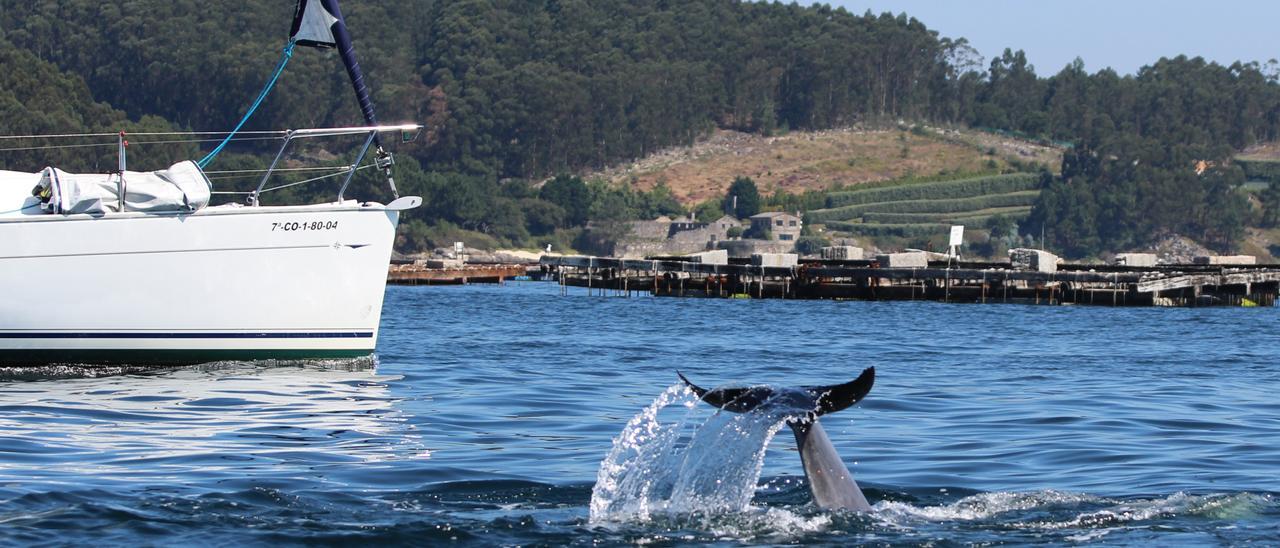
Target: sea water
pixel 515 415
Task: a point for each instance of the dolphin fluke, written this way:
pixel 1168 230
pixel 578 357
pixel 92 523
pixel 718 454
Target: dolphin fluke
pixel 829 479
pixel 841 396
pixel 827 399
pixel 738 400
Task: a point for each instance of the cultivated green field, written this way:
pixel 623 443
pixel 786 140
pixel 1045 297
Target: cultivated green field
pixel 927 209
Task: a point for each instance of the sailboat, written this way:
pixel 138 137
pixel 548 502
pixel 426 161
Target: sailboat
pixel 137 268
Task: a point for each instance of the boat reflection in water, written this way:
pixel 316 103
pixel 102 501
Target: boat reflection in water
pixel 226 424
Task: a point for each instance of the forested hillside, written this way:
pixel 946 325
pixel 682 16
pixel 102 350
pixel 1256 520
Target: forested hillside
pixel 516 91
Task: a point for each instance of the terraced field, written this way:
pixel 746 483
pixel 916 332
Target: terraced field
pixel 818 161
pixel 928 209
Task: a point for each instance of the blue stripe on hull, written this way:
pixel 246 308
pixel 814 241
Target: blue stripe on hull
pixel 175 335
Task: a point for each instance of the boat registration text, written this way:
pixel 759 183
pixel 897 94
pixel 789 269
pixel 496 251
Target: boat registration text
pixel 299 226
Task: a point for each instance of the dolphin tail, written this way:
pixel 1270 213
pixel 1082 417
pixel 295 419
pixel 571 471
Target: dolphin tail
pixel 841 396
pixel 697 390
pixel 829 398
pixel 829 479
pixel 737 400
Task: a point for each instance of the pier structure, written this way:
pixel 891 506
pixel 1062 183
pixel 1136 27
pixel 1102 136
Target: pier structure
pixel 944 281
pixel 414 274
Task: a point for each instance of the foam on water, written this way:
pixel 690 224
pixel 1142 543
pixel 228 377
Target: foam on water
pixel 982 506
pixel 1081 517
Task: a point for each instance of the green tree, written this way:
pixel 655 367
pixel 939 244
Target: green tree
pixel 610 204
pixel 709 210
pixel 661 201
pixel 1270 199
pixel 572 195
pixel 743 199
pixel 811 244
pixel 505 220
pixel 542 217
pixel 1002 227
pixel 1223 219
pixel 1002 233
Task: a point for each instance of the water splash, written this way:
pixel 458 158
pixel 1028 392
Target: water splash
pixel 682 470
pixel 980 507
pixel 674 459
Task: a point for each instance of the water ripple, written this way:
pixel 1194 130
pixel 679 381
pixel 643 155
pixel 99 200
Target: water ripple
pixel 490 408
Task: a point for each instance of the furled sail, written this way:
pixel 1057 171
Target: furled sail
pixel 311 25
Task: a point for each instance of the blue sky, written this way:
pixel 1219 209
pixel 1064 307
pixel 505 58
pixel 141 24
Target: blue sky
pixel 1121 34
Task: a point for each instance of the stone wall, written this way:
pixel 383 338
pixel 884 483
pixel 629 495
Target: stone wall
pixel 638 249
pixel 747 248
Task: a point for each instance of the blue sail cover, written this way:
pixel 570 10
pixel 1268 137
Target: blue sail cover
pixel 319 24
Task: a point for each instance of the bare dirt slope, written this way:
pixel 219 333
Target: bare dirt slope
pixel 800 161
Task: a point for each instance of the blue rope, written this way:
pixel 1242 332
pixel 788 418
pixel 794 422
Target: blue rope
pixel 284 60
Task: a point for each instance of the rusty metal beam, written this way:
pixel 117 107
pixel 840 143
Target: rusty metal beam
pixel 413 274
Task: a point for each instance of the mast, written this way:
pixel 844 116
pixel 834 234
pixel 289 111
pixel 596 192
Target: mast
pixel 342 39
pixel 320 24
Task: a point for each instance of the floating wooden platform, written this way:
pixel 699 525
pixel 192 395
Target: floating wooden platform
pixel 409 274
pixel 1104 285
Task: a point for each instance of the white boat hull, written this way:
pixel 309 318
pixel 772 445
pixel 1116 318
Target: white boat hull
pixel 223 283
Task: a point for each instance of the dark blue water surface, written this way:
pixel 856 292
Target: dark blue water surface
pixel 489 409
